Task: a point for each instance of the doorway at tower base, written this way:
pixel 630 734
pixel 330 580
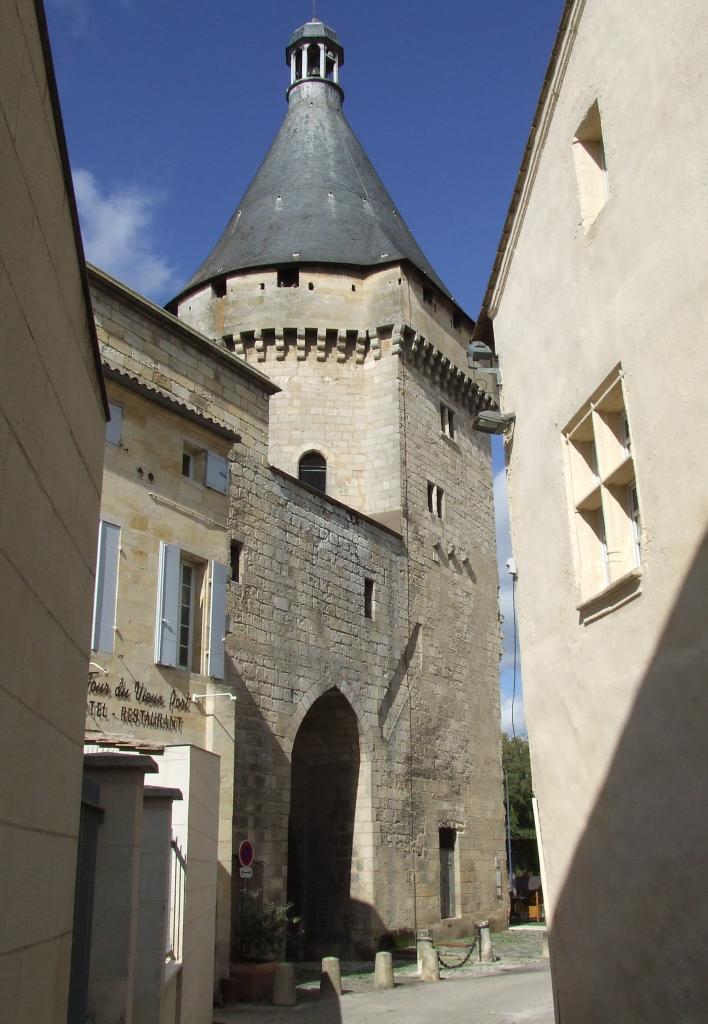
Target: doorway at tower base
pixel 328 818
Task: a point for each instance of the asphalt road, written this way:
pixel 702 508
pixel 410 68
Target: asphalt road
pixel 517 997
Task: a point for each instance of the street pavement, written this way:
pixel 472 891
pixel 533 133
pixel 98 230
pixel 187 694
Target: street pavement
pixel 521 995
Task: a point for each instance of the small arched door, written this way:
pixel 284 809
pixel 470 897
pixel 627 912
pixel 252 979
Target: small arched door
pixel 323 796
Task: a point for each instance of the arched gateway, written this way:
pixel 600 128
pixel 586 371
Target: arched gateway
pixel 328 831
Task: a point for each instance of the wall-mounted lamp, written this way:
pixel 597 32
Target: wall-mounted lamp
pixel 491 421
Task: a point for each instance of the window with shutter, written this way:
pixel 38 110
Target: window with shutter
pixel 106 588
pixel 168 587
pixel 216 472
pixel 219 576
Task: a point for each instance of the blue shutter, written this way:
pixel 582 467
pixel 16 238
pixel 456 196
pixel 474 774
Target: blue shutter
pixel 106 590
pixel 217 619
pixel 216 472
pixel 167 621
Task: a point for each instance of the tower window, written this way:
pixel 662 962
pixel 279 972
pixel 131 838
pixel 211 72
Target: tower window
pixel 368 598
pixel 228 340
pixel 311 286
pixel 236 549
pixel 312 470
pixel 436 499
pixel 289 277
pixel 218 288
pixel 456 319
pixel 428 296
pixel 447 421
pixel 313 61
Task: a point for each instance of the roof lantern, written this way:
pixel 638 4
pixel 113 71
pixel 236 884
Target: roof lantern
pixel 314 54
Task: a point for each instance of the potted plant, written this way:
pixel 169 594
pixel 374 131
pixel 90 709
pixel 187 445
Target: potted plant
pixel 261 930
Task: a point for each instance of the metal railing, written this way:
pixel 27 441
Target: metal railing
pixel 178 877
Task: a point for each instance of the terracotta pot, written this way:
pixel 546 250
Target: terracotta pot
pixel 249 983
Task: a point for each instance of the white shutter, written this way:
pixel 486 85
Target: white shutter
pixel 114 427
pixel 219 575
pixel 167 621
pixel 106 589
pixel 216 472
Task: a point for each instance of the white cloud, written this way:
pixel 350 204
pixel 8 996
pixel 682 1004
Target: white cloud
pixel 117 232
pixel 519 728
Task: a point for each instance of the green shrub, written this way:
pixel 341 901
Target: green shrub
pixel 262 927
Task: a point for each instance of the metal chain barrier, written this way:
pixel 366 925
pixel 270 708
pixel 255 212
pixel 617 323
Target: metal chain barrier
pixel 475 942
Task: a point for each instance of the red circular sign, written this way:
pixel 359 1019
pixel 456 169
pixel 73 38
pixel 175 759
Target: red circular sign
pixel 246 853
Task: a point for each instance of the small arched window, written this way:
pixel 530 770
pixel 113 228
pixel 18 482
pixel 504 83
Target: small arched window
pixel 312 470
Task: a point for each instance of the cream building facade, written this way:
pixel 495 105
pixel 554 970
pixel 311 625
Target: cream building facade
pixel 598 309
pixel 52 420
pixel 157 682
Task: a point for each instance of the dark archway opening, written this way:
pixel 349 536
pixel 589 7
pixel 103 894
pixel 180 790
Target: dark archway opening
pixel 323 792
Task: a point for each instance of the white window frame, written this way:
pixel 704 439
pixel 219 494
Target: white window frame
pixel 183 566
pixel 171 564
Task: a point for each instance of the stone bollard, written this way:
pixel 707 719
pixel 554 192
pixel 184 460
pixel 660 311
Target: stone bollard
pixel 486 953
pixel 331 977
pixel 424 939
pixel 383 971
pixel 284 986
pixel 430 970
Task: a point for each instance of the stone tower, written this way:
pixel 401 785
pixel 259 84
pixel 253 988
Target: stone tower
pixel 364 641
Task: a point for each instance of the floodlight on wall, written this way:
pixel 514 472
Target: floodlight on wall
pixel 491 421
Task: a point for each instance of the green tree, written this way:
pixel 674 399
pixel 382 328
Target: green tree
pixel 516 763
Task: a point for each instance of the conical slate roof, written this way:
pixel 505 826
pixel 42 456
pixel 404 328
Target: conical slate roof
pixel 316 198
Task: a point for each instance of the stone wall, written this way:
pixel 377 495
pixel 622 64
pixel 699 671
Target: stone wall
pixel 52 420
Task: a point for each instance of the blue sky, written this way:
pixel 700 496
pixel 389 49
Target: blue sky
pixel 170 105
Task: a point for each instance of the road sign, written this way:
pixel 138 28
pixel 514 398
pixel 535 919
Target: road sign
pixel 246 872
pixel 246 853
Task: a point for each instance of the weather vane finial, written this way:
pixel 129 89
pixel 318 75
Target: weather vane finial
pixel 314 10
